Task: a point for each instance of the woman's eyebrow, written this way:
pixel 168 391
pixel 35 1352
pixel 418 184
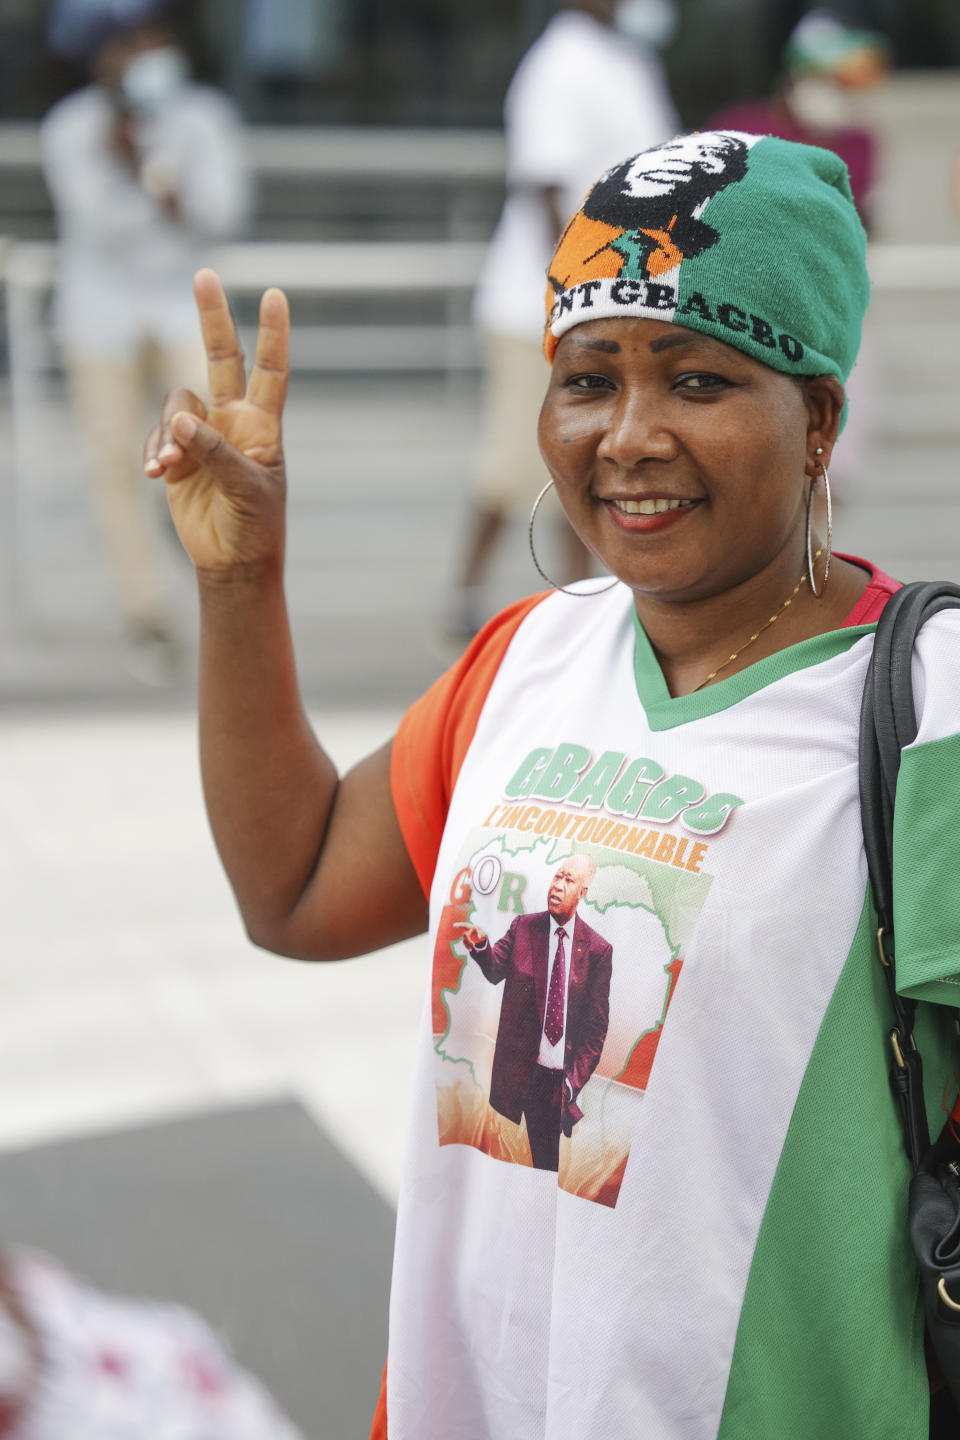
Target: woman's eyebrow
pixel 608 347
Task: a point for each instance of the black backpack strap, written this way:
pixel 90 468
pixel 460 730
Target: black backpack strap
pixel 888 722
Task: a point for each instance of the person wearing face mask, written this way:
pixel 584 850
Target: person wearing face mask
pixel 144 169
pixel 592 80
pixel 826 63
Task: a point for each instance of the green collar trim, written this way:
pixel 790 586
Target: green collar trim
pixel 664 711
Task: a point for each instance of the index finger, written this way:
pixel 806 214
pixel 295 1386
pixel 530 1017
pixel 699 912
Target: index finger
pixel 271 367
pixel 162 452
pixel 225 373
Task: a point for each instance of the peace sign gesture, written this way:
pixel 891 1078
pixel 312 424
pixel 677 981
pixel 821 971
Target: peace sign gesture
pixel 224 465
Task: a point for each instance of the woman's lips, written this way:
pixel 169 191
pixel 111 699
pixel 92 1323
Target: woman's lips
pixel 628 515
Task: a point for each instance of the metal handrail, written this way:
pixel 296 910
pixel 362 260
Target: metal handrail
pixel 382 152
pixel 315 266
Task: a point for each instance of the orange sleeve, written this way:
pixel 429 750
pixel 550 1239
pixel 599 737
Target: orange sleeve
pixel 379 1431
pixel 435 734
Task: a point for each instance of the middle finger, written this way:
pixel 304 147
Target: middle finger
pixel 271 366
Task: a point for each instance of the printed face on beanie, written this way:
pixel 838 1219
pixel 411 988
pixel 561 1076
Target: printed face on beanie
pixel 642 217
pixel 691 164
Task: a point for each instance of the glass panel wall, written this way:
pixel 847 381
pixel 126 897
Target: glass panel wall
pixel 446 62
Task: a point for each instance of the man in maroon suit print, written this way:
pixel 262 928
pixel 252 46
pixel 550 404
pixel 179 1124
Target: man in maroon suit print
pixel 556 1004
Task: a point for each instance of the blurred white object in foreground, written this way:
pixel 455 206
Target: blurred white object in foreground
pixel 77 1364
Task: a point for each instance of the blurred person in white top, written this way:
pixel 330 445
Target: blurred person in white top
pixel 591 89
pixel 144 169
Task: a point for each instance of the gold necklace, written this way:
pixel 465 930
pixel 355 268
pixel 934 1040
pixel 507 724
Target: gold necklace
pixel 729 661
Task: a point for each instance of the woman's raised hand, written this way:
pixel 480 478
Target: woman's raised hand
pixel 223 466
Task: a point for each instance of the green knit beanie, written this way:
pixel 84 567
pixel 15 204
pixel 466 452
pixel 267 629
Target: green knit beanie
pixel 751 239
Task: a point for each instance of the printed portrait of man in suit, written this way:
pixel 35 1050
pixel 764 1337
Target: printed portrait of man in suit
pixel 555 972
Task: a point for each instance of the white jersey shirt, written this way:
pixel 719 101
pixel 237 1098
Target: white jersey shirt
pixel 721 1252
pixel 582 98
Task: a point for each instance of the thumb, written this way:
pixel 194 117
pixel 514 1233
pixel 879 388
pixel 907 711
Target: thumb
pixel 232 470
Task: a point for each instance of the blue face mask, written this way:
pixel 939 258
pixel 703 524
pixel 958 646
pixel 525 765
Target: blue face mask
pixel 152 79
pixel 647 22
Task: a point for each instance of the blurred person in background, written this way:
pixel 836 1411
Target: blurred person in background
pixel 76 1362
pixel 144 170
pixel 590 87
pixel 288 44
pixel 826 63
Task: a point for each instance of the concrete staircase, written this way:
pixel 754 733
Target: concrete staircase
pixel 381 468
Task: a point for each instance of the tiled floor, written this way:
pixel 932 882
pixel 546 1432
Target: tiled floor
pixel 129 990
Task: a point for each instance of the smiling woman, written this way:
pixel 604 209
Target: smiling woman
pixel 654 1182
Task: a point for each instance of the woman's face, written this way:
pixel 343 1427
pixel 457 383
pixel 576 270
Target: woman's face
pixel 641 415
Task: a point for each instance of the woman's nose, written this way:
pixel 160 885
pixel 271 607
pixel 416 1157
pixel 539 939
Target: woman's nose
pixel 635 432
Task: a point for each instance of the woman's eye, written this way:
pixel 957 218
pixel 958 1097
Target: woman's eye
pixel 589 381
pixel 701 383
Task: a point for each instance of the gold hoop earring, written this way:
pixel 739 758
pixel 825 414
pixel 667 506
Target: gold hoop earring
pixel 580 594
pixel 818 594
